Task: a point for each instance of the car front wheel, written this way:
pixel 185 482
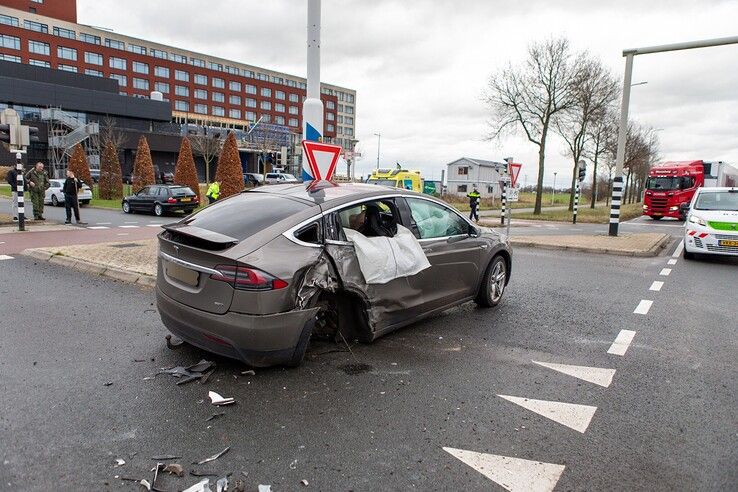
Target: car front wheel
pixel 158 210
pixel 126 207
pixel 493 283
pixel 54 200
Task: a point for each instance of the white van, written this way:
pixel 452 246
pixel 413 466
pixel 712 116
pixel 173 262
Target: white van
pixel 712 223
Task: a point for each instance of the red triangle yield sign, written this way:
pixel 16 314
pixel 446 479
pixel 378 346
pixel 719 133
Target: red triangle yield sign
pixel 322 158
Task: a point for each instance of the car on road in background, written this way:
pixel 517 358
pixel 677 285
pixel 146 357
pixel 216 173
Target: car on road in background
pixel 161 199
pixel 95 173
pixel 253 179
pixel 253 276
pixel 712 223
pixel 280 178
pixel 55 195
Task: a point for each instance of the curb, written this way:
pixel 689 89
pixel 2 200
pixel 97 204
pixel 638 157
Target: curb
pixel 651 252
pixel 87 266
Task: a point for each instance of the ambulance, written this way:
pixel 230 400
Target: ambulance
pixel 712 222
pixel 397 178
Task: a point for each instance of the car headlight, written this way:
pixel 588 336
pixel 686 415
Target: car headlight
pixel 673 208
pixel 697 220
pixel 645 207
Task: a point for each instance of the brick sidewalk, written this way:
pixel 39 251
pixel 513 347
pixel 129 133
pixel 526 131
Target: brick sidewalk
pixel 646 244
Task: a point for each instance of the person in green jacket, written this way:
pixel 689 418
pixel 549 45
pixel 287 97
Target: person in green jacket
pixel 474 199
pixel 213 192
pixel 38 183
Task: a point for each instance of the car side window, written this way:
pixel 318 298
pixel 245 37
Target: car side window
pixel 163 192
pixel 372 218
pixel 434 220
pixel 144 191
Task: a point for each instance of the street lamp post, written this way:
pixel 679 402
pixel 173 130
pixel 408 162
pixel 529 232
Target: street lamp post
pixel 379 140
pixel 553 190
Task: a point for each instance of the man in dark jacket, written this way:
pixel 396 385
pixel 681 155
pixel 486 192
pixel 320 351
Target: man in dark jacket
pixel 474 199
pixel 38 183
pixel 71 187
pixel 12 179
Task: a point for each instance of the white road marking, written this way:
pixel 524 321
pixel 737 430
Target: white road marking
pixel 656 285
pixel 102 223
pixel 128 227
pixel 678 249
pixel 134 222
pixel 643 307
pixel 154 225
pixel 2 242
pixel 672 261
pixel 621 343
pixel 665 272
pixel 597 375
pixel 97 228
pixel 571 415
pixel 5 257
pixel 513 474
pixel 122 234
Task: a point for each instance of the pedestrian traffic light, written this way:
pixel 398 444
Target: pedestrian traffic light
pixel 582 170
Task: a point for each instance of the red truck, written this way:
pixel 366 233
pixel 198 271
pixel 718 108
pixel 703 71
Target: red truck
pixel 670 184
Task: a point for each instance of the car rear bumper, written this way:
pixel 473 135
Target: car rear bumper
pixel 189 207
pixel 259 341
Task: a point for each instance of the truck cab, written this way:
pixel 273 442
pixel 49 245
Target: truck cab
pixel 397 178
pixel 670 185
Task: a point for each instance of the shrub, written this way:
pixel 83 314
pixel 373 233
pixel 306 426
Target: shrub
pixel 229 171
pixel 143 166
pixel 185 172
pixel 110 186
pixel 79 166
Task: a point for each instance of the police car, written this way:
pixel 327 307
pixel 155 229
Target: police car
pixel 712 223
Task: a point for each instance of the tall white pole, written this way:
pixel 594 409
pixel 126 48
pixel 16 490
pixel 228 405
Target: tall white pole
pixel 312 107
pixel 617 183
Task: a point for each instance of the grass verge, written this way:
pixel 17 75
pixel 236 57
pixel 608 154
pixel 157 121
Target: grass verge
pixel 600 215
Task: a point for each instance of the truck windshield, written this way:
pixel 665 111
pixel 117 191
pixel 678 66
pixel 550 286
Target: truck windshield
pixel 718 200
pixel 384 182
pixel 669 183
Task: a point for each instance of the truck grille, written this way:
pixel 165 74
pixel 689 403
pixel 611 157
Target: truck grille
pixel 722 249
pixel 659 204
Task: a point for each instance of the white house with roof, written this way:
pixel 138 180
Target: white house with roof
pixel 462 174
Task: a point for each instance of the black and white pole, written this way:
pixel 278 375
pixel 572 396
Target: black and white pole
pixel 576 202
pixel 503 189
pixel 19 190
pixel 617 196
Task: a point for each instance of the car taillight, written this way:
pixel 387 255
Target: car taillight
pixel 171 200
pixel 244 278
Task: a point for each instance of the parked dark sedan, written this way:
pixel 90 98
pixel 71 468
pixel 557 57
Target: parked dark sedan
pixel 255 275
pixel 160 199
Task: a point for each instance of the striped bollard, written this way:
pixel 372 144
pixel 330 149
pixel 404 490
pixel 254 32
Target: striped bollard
pixel 617 195
pixel 19 191
pixel 503 189
pixel 576 203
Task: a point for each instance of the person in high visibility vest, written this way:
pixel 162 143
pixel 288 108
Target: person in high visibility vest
pixel 474 199
pixel 213 192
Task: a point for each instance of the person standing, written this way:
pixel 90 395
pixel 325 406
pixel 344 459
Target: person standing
pixel 38 183
pixel 213 192
pixel 71 188
pixel 474 199
pixel 12 180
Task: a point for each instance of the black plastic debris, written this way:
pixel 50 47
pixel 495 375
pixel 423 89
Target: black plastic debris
pixel 202 369
pixel 213 457
pixel 174 469
pixel 215 416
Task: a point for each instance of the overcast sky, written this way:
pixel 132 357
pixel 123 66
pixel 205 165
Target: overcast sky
pixel 420 66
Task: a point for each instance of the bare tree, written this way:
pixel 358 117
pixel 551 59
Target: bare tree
pixel 594 90
pixel 641 150
pixel 531 96
pixel 207 145
pixel 602 133
pixel 266 139
pixel 110 133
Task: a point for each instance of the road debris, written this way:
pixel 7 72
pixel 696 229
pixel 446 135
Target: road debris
pixel 265 488
pixel 202 369
pixel 221 485
pixel 305 483
pixel 109 383
pixel 250 372
pixel 215 416
pixel 293 465
pixel 201 486
pixel 119 462
pixel 174 469
pixel 142 482
pixel 165 457
pixel 213 457
pixel 218 400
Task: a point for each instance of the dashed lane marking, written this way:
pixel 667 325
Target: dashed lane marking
pixel 665 272
pixel 154 225
pixel 122 234
pixel 656 286
pixel 5 257
pixel 622 342
pixel 513 474
pixel 571 415
pixel 643 307
pixel 97 228
pixel 596 375
pixel 672 261
pixel 128 227
pixel 102 223
pixel 131 222
pixel 678 249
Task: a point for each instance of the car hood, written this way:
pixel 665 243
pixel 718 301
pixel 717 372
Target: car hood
pixel 717 215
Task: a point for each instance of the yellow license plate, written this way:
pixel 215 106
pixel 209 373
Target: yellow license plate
pixel 184 275
pixel 185 199
pixel 728 242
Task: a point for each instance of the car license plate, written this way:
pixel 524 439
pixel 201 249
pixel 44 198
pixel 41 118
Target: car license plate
pixel 184 275
pixel 185 199
pixel 728 242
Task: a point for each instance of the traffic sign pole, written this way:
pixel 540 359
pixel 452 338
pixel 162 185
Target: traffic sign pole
pixel 576 203
pixel 19 191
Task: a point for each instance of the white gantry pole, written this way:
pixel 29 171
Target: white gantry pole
pixel 312 107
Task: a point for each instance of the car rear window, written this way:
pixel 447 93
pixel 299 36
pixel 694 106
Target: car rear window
pixel 181 191
pixel 246 214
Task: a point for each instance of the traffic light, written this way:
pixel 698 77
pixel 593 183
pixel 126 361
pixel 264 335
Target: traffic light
pixel 582 170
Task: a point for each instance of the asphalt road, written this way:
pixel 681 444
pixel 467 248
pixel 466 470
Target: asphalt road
pixel 379 417
pixel 640 224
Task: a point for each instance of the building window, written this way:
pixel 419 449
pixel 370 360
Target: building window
pixel 93 58
pixel 37 1
pixel 38 48
pixel 279 107
pixel 265 118
pixel 115 44
pixel 67 68
pixel 218 111
pixel 9 20
pixel 330 105
pixel 181 105
pixel 279 120
pixel 330 128
pixel 89 38
pixel 294 110
pixel 177 58
pixel 122 79
pixel 10 58
pixel 349 109
pixel 134 48
pixel 340 121
pixel 347 131
pixel 340 129
pixel 291 83
pixel 262 76
pixel 279 94
pixel 181 75
pixel 234 100
pixel 182 90
pixel 66 53
pixel 461 188
pixel 39 63
pixel 294 98
pixel 196 62
pixel 250 116
pixel 277 80
pixel 234 86
pixel 266 92
pixel 162 87
pixel 201 108
pixel 141 84
pixel 250 103
pixel 267 105
pixel 159 54
pixel 349 120
pixel 463 170
pixel 215 66
pixel 293 122
pixel 93 73
pixel 234 113
pixel 65 33
pixel 162 72
pixel 201 94
pixel 330 116
pixel 350 98
pixel 140 67
pixel 219 83
pixel 250 89
pixel 36 26
pixel 117 63
pixel 201 79
pixel 232 70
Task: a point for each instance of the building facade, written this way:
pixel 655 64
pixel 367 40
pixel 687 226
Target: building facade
pixel 200 89
pixel 462 174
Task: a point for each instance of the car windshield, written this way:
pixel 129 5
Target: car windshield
pixel 289 176
pixel 246 214
pixel 671 183
pixel 718 200
pixel 384 182
pixel 181 191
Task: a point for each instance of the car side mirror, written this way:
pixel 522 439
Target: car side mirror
pixel 474 231
pixel 684 208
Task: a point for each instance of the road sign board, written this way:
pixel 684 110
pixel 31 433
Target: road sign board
pixel 512 194
pixel 515 172
pixel 320 160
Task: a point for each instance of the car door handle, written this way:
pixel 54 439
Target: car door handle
pixel 484 246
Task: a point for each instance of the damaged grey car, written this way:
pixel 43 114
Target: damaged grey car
pixel 254 276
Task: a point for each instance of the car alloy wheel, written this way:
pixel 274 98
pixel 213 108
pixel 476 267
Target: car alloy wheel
pixel 126 207
pixel 497 280
pixel 54 200
pixel 158 210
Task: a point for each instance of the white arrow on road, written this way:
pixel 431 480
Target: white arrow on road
pixel 512 474
pixel 596 375
pixel 574 416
